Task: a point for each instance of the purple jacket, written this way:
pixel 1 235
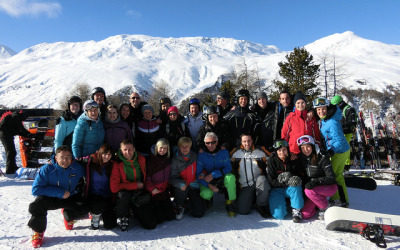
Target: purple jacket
pixel 116 132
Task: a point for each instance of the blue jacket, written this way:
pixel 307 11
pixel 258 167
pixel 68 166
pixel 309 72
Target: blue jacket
pixel 88 136
pixel 63 129
pixel 53 180
pixel 217 164
pixel 331 130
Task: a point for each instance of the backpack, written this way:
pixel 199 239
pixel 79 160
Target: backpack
pixel 352 117
pixel 5 118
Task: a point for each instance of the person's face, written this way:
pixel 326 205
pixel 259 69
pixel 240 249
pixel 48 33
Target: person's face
pixel 211 143
pixel 125 112
pixel 306 149
pixel 213 119
pixel 282 153
pixel 194 109
pixel 99 98
pixel 322 111
pixel 64 159
pixel 165 107
pixel 173 116
pixel 262 102
pixel 128 151
pixel 112 114
pixel 243 101
pixel 247 142
pixel 93 113
pixel 135 99
pixel 106 157
pixel 300 105
pixel 147 114
pixel 221 101
pixel 284 99
pixel 75 107
pixel 185 149
pixel 162 150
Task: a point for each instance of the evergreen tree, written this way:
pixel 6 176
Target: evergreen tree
pixel 228 87
pixel 299 73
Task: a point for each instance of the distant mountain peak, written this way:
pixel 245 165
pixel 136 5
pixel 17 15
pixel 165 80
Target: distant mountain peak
pixel 6 52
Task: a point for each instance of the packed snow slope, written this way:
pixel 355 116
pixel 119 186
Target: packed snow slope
pixel 39 75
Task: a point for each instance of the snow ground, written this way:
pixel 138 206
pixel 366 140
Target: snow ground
pixel 214 231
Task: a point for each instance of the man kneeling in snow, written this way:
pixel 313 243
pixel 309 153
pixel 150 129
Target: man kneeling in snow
pixel 59 184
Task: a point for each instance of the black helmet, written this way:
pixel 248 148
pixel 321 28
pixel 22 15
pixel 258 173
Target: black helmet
pixel 210 110
pixel 97 90
pixel 243 92
pixel 164 101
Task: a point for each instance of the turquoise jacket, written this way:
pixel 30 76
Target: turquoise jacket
pixel 331 130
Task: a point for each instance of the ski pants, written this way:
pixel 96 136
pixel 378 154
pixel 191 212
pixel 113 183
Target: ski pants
pixel 229 186
pixel 104 206
pixel 145 214
pixel 277 202
pixel 348 139
pixel 338 162
pixel 317 197
pixel 164 210
pixel 197 205
pixel 9 148
pixel 258 192
pixel 75 207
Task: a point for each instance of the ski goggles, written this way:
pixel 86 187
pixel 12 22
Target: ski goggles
pixel 320 102
pixel 279 143
pixel 305 139
pixel 194 101
pixel 90 106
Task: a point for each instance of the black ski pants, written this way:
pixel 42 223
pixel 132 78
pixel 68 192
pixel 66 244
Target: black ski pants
pixel 104 206
pixel 163 209
pixel 75 207
pixel 9 148
pixel 197 204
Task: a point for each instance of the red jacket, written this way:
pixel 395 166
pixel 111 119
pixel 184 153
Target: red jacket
pixel 296 125
pixel 118 179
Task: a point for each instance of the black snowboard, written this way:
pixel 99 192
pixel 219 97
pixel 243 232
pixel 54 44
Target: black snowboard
pixel 359 182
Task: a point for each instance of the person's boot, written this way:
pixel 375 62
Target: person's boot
pixel 179 212
pixel 321 214
pixel 69 225
pixel 95 221
pixel 230 208
pixel 37 239
pixel 123 223
pixel 263 211
pixel 296 215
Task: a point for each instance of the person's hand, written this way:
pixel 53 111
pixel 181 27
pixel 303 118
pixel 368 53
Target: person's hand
pixel 330 153
pixel 140 185
pixel 213 188
pixel 294 181
pixel 222 148
pixel 208 178
pixel 66 194
pixel 202 176
pixel 158 120
pixel 201 151
pixel 155 191
pixel 183 188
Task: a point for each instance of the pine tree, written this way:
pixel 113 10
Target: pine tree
pixel 300 74
pixel 228 87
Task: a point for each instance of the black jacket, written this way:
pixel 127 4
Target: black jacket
pixel 319 174
pixel 275 167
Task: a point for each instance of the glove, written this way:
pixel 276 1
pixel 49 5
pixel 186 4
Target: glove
pixel 294 181
pixel 330 153
pixel 284 177
pixel 310 185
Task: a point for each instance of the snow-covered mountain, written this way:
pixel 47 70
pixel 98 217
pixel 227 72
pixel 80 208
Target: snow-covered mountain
pixel 39 75
pixel 6 52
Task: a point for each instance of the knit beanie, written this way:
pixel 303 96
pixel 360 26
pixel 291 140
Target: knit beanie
pixel 225 95
pixel 173 109
pixel 149 107
pixel 299 96
pixel 261 94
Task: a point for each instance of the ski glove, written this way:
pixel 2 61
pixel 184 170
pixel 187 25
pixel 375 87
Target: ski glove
pixel 310 185
pixel 284 177
pixel 294 181
pixel 330 153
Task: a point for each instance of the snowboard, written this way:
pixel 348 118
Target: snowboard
pixel 360 182
pixel 373 226
pixel 389 175
pixel 27 173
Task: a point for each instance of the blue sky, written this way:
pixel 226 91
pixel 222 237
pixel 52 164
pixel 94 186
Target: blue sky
pixel 283 23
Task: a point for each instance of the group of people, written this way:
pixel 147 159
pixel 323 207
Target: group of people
pixel 111 162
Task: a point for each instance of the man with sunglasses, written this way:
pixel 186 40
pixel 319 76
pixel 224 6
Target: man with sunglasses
pixel 223 103
pixel 214 173
pixel 194 120
pixel 249 166
pixel 136 107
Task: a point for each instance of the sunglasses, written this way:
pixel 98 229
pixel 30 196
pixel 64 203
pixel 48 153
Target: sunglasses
pixel 133 98
pixel 172 114
pixel 219 98
pixel 194 101
pixel 306 139
pixel 211 143
pixel 280 143
pixel 320 102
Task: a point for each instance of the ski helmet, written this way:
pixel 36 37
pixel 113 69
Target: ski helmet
pixel 208 111
pixel 74 99
pixel 89 104
pixel 336 99
pixel 243 92
pixel 279 144
pixel 98 90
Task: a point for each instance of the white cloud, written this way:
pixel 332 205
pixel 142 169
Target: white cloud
pixel 18 8
pixel 134 14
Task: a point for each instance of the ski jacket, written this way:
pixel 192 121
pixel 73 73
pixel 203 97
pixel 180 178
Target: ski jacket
pixel 158 174
pixel 53 180
pixel 331 130
pixel 264 130
pixel 183 170
pixel 64 129
pixel 319 174
pixel 96 183
pixel 118 180
pixel 115 132
pixel 223 111
pixel 296 125
pixel 349 118
pixel 14 126
pixel 248 165
pixel 217 164
pixel 220 129
pixel 281 113
pixel 174 130
pixel 88 136
pixel 136 113
pixel 194 124
pixel 240 121
pixel 147 134
pixel 275 167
